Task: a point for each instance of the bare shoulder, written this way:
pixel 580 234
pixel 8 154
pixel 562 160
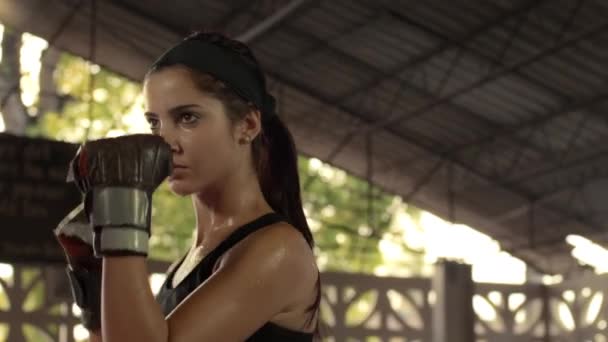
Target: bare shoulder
pixel 282 235
pixel 278 245
pixel 281 252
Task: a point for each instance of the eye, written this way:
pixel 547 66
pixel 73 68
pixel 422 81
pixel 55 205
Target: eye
pixel 188 118
pixel 154 124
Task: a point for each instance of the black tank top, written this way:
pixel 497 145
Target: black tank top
pixel 169 297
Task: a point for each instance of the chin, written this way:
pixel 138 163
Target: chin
pixel 181 188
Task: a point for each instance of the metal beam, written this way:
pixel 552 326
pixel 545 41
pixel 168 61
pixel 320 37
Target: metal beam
pixel 481 55
pixel 537 120
pixel 273 20
pixel 383 75
pixel 495 22
pixel 522 210
pixel 323 44
pixel 522 193
pixel 492 76
pixel 318 43
pixel 575 162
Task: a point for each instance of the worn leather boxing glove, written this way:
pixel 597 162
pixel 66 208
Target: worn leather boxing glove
pixel 117 177
pixel 75 236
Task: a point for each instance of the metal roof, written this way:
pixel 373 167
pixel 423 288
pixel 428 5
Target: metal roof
pixel 492 113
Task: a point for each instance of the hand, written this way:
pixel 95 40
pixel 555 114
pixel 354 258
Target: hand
pixel 117 177
pixel 75 236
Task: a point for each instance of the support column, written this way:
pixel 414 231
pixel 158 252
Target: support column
pixel 453 317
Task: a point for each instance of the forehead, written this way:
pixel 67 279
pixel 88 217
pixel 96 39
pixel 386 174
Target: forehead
pixel 173 86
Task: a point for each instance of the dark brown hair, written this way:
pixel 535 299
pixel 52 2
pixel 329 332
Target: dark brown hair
pixel 274 152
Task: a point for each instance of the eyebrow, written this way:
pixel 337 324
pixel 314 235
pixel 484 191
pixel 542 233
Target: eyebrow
pixel 174 111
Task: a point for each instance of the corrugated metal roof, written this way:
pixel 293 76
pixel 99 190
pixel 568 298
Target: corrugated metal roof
pixel 509 98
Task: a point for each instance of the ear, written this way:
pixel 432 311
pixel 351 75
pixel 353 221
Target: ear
pixel 249 127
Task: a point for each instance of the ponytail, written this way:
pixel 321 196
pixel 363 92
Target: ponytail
pixel 277 169
pixel 276 158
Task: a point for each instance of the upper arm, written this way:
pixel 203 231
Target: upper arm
pixel 258 280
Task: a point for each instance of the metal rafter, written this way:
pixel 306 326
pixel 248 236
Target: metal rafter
pixel 548 196
pixel 558 239
pixel 573 163
pixel 531 210
pixel 353 60
pixel 522 193
pixel 272 21
pixel 496 62
pixel 421 110
pixel 322 44
pixel 441 48
pixel 382 75
pixel 507 132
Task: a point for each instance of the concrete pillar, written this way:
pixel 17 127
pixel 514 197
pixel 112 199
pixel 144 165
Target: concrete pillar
pixel 453 317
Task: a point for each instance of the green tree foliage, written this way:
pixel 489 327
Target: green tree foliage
pixel 113 96
pixel 348 223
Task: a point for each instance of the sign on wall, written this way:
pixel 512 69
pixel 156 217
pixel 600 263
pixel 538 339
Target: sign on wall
pixel 34 197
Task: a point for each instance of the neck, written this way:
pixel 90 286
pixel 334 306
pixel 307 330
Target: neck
pixel 221 209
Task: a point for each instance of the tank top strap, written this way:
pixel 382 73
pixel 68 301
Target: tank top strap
pixel 169 297
pixel 242 232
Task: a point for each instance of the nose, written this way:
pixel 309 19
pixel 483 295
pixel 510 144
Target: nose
pixel 170 137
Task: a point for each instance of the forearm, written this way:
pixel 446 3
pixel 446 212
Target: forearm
pixel 129 310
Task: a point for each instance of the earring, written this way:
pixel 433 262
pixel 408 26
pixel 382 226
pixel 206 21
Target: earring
pixel 247 139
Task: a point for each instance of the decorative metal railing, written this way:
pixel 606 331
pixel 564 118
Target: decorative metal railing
pixel 35 306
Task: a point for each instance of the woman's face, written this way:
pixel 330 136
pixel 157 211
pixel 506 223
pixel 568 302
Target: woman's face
pixel 197 128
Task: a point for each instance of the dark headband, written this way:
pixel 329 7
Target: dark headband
pixel 225 65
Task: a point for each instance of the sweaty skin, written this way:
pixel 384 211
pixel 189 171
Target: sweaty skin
pixel 269 276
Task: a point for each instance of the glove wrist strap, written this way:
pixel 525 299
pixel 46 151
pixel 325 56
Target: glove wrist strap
pixel 119 206
pixel 121 241
pixel 86 291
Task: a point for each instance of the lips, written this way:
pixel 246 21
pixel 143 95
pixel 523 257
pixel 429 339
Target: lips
pixel 177 170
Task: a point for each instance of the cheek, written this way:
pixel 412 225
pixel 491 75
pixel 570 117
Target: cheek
pixel 209 149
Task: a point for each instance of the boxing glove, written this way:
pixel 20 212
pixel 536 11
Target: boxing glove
pixel 75 236
pixel 117 177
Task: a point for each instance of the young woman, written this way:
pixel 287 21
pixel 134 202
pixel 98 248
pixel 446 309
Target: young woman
pixel 251 273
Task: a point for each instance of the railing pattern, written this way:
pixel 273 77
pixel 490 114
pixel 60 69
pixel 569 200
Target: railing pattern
pixel 35 305
pixel 366 308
